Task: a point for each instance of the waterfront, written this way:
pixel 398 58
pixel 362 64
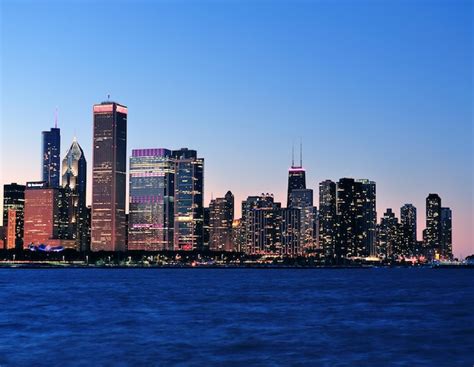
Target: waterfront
pixel 388 316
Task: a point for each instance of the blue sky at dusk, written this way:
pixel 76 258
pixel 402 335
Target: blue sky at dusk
pixel 377 89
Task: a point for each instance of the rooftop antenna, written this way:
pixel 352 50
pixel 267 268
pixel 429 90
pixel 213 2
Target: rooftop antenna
pixel 301 152
pixel 292 154
pixel 108 97
pixel 56 118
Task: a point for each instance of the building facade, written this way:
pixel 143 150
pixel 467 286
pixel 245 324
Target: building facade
pixel 408 228
pixel 74 182
pixel 327 220
pixel 302 199
pixel 388 236
pixel 433 225
pixel 151 200
pixel 108 224
pixel 446 233
pixel 188 200
pixel 51 149
pixel 221 217
pixel 13 214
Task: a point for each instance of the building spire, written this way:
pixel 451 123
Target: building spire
pixel 301 152
pixel 292 154
pixel 56 118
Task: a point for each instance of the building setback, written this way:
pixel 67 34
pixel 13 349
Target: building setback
pixel 108 223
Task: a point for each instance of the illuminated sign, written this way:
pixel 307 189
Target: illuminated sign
pixel 122 109
pixel 34 185
pixel 103 108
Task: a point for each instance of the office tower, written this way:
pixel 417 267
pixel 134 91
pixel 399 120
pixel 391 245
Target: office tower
pixel 366 216
pixel 446 233
pixel 302 199
pixel 108 232
pixel 433 224
pixel 238 235
pixel 408 240
pixel 151 204
pixel 327 219
pixel 188 200
pixel 13 214
pixel 262 225
pixel 290 232
pixel 51 156
pixel 74 182
pixel 296 176
pixel 206 228
pixel 46 216
pixel 221 216
pixel 388 236
pixel 356 218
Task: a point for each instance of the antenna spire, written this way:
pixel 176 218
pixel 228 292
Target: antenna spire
pixel 292 154
pixel 301 152
pixel 56 118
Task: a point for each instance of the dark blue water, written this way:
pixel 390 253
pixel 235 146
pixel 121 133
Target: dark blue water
pixel 237 317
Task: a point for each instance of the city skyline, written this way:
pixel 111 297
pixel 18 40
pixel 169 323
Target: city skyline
pixel 266 161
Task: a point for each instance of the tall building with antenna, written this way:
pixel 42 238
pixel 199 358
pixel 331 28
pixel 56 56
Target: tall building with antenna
pixel 51 150
pixel 108 222
pixel 296 175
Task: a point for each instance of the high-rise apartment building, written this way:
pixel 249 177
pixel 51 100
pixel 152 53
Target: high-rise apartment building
pixel 446 233
pixel 408 238
pixel 221 217
pixel 327 220
pixel 108 232
pixel 433 224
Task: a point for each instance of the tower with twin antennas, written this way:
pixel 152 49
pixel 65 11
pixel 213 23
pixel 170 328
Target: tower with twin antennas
pixel 51 150
pixel 296 174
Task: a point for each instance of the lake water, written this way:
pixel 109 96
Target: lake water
pixel 234 317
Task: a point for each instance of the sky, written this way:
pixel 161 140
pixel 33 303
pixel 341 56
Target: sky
pixel 374 89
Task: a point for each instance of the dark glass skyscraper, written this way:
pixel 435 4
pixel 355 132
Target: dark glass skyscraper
pixel 108 223
pixel 408 230
pixel 302 199
pixel 327 219
pixel 221 216
pixel 366 215
pixel 296 177
pixel 446 233
pixel 388 236
pixel 290 232
pixel 51 149
pixel 433 223
pixel 74 182
pixel 13 213
pixel 151 210
pixel 188 200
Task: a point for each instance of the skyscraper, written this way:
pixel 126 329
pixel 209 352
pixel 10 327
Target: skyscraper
pixel 327 219
pixel 433 224
pixel 13 214
pixel 408 238
pixel 366 215
pixel 74 181
pixel 296 176
pixel 290 232
pixel 302 199
pixel 221 216
pixel 108 223
pixel 151 208
pixel 188 200
pixel 262 225
pixel 388 236
pixel 51 156
pixel 446 233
